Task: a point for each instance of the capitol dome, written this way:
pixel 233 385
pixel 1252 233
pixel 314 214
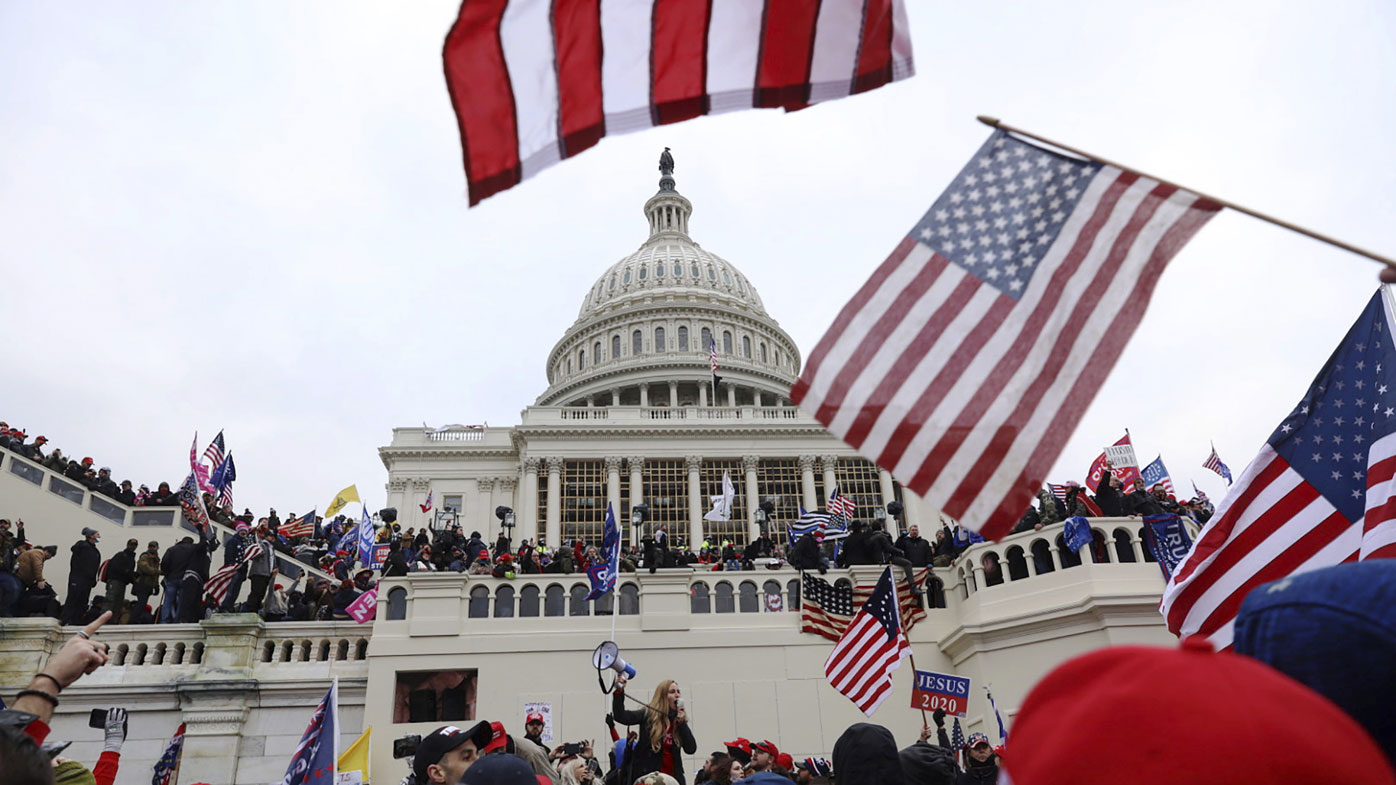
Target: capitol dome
pixel 642 334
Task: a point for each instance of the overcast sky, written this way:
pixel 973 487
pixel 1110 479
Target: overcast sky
pixel 252 216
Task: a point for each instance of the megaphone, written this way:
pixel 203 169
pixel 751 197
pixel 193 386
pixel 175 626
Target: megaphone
pixel 607 656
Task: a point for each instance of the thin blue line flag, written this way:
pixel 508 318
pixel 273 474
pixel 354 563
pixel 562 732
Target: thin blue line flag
pixel 603 575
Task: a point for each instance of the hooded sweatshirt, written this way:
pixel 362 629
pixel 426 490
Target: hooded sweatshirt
pixel 866 754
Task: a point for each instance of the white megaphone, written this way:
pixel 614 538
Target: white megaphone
pixel 607 657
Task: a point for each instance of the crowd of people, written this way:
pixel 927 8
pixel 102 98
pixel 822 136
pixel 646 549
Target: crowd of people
pixel 1111 500
pixel 82 472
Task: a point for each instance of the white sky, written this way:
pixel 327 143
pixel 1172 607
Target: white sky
pixel 252 216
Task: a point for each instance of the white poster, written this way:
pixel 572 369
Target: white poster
pixel 545 709
pixel 349 778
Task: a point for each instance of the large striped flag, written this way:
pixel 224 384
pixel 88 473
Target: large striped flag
pixel 861 664
pixel 841 505
pixel 303 526
pixel 536 81
pixel 1321 492
pixel 214 453
pixel 966 360
pixel 1214 462
pixel 316 757
pixel 827 608
pixel 217 583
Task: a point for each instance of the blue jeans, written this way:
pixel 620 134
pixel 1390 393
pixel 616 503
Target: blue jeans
pixel 234 586
pixel 169 607
pixel 10 591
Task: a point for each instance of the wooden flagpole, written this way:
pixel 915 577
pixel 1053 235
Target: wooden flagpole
pixel 994 122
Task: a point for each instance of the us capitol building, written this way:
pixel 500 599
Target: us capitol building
pixel 629 417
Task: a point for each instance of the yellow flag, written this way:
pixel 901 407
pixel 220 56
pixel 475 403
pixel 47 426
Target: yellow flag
pixel 341 499
pixel 356 757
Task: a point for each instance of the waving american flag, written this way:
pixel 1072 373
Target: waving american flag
pixel 874 645
pixel 165 767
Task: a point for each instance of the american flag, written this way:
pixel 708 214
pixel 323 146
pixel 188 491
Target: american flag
pixel 1321 492
pixel 712 354
pixel 218 583
pixel 826 609
pixel 823 525
pixel 427 507
pixel 974 350
pixel 313 762
pixel 1214 463
pixel 165 767
pixel 1157 474
pixel 957 740
pixel 841 506
pixel 533 83
pixel 303 526
pixel 1059 491
pixel 861 664
pixel 214 453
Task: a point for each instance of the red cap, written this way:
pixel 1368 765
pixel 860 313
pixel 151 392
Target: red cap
pixel 1274 729
pixel 533 716
pixel 768 747
pixel 498 740
pixel 86 461
pixel 786 762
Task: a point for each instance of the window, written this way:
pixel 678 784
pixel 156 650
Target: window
pixel 596 353
pixel 727 279
pixel 625 277
pixel 659 339
pixel 693 270
pixel 581 359
pixel 434 696
pixel 612 285
pixel 710 476
pixel 479 607
pixel 707 339
pixel 779 481
pixel 712 276
pixel 452 501
pixel 861 481
pixel 683 339
pixel 615 347
pixel 659 270
pixel 665 484
pixel 746 347
pixel 644 272
pixel 397 604
pixel 637 343
pixel 763 353
pixel 583 500
pixel 726 341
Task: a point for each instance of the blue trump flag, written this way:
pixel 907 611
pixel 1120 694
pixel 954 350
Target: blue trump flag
pixel 1078 533
pixel 365 538
pixel 315 761
pixel 1167 540
pixel 603 575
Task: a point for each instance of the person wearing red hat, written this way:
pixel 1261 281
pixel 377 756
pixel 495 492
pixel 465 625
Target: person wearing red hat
pixel 785 762
pixel 1194 716
pixel 763 755
pixel 533 729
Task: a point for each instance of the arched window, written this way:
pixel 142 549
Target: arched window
pixel 1124 548
pixel 726 341
pixel 637 343
pixel 749 602
pixel 1017 564
pixel 581 359
pixel 659 270
pixel 699 601
pixel 397 604
pixel 629 599
pixel 746 347
pixel 528 601
pixel 683 339
pixel 771 589
pixel 504 602
pixel 725 601
pixel 707 339
pixel 763 353
pixel 1070 558
pixel 479 602
pixel 615 347
pixel 579 600
pixel 659 345
pixel 644 272
pixel 596 353
pixel 554 601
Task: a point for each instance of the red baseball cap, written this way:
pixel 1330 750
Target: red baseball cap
pixel 786 762
pixel 740 749
pixel 533 716
pixel 498 738
pixel 768 747
pixel 1193 716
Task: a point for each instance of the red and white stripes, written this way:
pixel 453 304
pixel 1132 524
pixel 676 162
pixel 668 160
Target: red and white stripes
pixel 536 81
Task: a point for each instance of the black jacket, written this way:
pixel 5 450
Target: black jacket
pixel 858 549
pixel 175 560
pixel 396 565
pixel 917 549
pixel 645 759
pixel 1110 501
pixel 1142 503
pixel 805 554
pixel 929 764
pixel 106 486
pixel 122 567
pixel 867 755
pixel 82 569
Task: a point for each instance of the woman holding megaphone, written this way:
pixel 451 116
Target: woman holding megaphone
pixel 664 732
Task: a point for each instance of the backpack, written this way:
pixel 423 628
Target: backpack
pixel 102 570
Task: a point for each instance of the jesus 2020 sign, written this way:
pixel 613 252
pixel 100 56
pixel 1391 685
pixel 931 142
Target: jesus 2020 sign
pixel 941 691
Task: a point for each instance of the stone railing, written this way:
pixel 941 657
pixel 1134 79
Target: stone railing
pixel 616 415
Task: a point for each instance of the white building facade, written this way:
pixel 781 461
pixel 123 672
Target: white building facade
pixel 633 415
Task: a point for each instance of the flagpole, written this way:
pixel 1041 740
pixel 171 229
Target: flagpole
pixel 912 656
pixel 994 122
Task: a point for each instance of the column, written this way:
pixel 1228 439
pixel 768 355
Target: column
pixel 830 479
pixel 912 510
pixel 591 401
pixel 753 498
pixel 755 397
pixel 731 395
pixel 637 491
pixel 554 523
pixel 397 497
pixel 702 393
pixel 673 393
pixel 615 396
pixel 528 518
pixel 695 500
pixel 807 482
pixel 484 520
pixel 889 495
pixel 613 489
pixel 644 393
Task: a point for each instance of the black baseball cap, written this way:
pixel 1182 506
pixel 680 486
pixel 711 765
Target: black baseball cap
pixel 501 770
pixel 436 744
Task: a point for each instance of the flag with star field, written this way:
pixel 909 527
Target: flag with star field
pixel 1321 492
pixel 966 361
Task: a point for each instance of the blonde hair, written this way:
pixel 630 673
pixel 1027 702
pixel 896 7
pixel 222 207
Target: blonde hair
pixel 568 771
pixel 660 702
